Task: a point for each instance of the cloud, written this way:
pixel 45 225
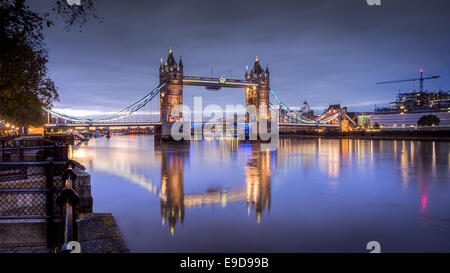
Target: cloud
pixel 325 51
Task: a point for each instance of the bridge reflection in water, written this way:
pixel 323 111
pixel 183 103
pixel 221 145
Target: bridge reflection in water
pixel 174 201
pixel 327 155
pixel 311 187
pixel 256 191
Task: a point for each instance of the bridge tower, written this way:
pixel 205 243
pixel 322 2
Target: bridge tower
pixel 258 95
pixel 171 95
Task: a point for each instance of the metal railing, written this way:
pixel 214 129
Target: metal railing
pixel 37 182
pixel 28 191
pixel 23 151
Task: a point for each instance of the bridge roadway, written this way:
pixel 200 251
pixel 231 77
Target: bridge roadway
pixel 105 124
pixel 153 124
pixel 217 82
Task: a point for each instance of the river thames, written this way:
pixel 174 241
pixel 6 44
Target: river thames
pixel 310 195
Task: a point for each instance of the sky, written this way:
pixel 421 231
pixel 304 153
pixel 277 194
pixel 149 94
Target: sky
pixel 324 51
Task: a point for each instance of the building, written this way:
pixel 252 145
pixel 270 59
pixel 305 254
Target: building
pixel 408 108
pixel 7 129
pixel 306 111
pixel 418 102
pixel 339 115
pixel 406 120
pixel 335 108
pixel 363 119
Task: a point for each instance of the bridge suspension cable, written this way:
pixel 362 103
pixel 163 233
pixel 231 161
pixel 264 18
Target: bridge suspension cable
pixel 125 112
pixel 354 123
pixel 290 112
pixel 286 116
pixel 296 117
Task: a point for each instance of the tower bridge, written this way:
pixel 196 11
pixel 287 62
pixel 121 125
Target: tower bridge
pixel 256 84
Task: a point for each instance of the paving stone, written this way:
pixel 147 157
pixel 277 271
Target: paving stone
pixel 99 233
pixel 24 249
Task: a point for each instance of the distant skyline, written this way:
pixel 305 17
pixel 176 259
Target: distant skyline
pixel 326 52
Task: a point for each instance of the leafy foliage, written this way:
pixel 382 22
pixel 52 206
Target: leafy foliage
pixel 24 83
pixel 25 86
pixel 428 120
pixel 74 14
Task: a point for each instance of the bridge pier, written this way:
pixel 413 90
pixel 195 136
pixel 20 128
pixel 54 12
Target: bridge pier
pixel 163 133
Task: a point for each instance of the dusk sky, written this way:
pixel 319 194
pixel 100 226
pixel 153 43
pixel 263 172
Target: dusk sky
pixel 324 51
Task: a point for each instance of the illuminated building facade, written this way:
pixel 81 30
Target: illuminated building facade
pixel 363 119
pixel 408 108
pixel 418 102
pixel 342 116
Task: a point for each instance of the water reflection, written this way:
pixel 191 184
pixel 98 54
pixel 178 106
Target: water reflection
pixel 340 183
pixel 257 180
pixel 174 201
pixel 172 187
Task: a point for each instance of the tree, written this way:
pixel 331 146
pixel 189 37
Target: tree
pixel 428 120
pixel 25 87
pixel 376 125
pixel 24 84
pixel 76 14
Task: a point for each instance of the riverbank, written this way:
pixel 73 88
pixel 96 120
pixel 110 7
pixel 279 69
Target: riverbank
pixel 97 233
pixel 410 138
pixel 421 135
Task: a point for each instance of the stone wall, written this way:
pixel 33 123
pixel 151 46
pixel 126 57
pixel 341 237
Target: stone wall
pixel 82 186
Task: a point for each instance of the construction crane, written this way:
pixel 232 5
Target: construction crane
pixel 421 79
